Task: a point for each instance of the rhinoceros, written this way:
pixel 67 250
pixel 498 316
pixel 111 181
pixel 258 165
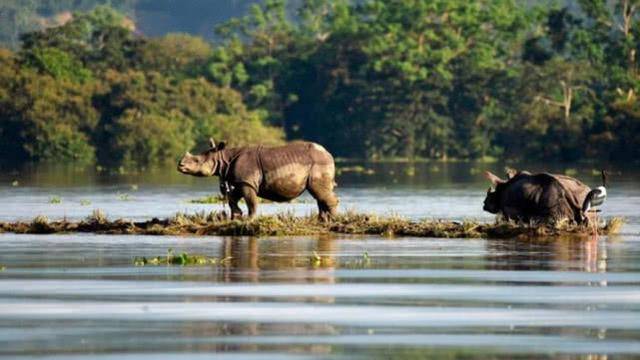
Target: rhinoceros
pixel 539 197
pixel 279 173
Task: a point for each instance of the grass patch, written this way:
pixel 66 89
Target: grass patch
pixel 55 200
pixel 218 223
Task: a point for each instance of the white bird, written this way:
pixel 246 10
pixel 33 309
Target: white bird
pixel 595 197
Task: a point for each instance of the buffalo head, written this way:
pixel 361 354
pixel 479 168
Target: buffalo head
pixel 204 164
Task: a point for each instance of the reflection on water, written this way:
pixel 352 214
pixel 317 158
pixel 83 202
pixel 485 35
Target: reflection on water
pixel 79 295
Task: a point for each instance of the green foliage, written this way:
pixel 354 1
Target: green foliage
pixel 91 90
pixel 59 64
pixel 176 54
pixel 375 78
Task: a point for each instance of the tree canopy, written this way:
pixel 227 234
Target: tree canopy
pixel 370 79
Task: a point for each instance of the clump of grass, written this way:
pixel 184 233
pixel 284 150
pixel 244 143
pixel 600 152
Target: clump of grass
pixel 97 217
pixel 40 225
pixel 55 200
pixel 134 187
pixel 614 225
pixel 183 259
pixel 124 197
pixel 85 202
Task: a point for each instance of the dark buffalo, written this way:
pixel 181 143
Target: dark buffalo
pixel 539 197
pixel 279 173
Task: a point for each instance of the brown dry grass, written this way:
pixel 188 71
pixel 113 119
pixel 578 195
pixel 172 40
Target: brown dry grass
pixel 217 223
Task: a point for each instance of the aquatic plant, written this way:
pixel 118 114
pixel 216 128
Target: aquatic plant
pixel 85 202
pixel 571 172
pixel 209 199
pixel 410 170
pixel 124 197
pixel 357 169
pixel 55 200
pixel 182 259
pixel 363 261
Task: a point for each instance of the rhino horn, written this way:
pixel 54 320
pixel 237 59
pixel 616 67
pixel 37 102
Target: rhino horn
pixel 493 178
pixel 212 144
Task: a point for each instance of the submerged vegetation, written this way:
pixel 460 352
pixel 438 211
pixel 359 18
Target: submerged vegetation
pixel 182 259
pixel 368 79
pixel 55 200
pixel 217 223
pixel 209 199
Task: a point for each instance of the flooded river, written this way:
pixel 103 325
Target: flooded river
pixel 79 296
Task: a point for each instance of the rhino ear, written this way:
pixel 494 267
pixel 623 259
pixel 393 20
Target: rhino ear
pixel 511 172
pixel 493 178
pixel 212 144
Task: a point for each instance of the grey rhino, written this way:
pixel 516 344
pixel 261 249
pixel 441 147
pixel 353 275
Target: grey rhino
pixel 279 173
pixel 540 197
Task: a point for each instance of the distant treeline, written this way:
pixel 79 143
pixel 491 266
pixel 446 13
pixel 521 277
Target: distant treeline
pixel 369 79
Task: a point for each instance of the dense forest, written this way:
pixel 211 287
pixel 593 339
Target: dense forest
pixel 370 79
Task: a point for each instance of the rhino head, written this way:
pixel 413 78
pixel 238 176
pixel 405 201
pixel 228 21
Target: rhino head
pixel 492 201
pixel 204 164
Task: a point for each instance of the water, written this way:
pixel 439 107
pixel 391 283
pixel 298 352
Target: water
pixel 79 295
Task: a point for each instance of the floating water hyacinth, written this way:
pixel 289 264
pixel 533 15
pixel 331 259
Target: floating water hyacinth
pixel 182 259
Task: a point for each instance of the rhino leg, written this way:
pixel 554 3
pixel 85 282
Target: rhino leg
pixel 234 197
pixel 251 198
pixel 322 191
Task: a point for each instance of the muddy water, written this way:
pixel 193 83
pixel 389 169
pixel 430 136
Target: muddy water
pixel 80 296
